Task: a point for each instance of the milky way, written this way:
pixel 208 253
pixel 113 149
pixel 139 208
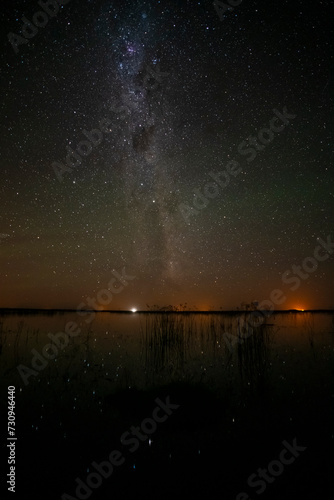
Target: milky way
pixel 143 111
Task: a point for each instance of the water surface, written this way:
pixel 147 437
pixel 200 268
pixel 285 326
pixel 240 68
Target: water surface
pixel 241 391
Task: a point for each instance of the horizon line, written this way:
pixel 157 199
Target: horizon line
pixel 143 311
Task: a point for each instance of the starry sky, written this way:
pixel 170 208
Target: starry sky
pixel 173 90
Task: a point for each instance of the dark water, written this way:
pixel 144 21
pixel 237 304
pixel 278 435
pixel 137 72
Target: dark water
pixel 236 403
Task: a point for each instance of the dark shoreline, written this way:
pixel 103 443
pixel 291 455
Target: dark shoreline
pixel 23 311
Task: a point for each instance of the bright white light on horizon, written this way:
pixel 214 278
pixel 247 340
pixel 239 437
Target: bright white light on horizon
pixel 134 310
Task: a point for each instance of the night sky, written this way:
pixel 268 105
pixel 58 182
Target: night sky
pixel 177 91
